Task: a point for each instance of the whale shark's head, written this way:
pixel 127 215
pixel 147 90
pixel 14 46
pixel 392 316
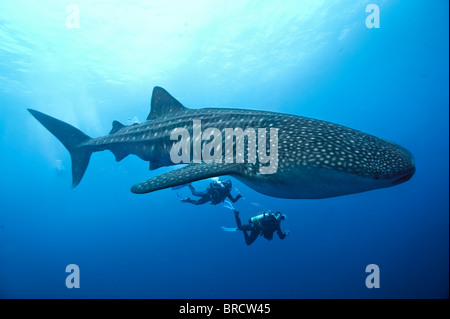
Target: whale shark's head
pixel 372 163
pixel 363 163
pixel 330 160
pixel 385 164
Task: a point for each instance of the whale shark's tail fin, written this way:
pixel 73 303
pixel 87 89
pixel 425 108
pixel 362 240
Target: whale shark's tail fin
pixel 187 174
pixel 71 138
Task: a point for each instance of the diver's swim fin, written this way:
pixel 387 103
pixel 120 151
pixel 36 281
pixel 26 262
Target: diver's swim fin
pixel 185 175
pixel 230 229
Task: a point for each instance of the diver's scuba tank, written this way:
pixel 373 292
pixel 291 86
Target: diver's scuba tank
pixel 257 219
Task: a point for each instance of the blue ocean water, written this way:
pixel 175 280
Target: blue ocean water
pixel 91 62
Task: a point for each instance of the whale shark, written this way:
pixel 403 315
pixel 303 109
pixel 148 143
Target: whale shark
pixel 315 159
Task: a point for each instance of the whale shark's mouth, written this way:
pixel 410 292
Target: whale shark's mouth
pixel 405 177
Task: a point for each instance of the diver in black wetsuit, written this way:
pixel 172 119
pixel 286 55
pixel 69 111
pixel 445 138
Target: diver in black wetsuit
pixel 216 193
pixel 264 225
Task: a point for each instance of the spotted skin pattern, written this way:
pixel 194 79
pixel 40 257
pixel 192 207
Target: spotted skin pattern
pixel 316 159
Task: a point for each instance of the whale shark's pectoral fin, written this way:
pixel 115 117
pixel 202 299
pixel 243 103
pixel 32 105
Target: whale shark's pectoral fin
pixel 188 174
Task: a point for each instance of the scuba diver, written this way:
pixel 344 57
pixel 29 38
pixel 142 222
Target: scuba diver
pixel 264 225
pixel 216 193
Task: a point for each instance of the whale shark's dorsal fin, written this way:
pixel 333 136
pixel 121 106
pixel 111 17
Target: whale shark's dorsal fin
pixel 163 103
pixel 116 125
